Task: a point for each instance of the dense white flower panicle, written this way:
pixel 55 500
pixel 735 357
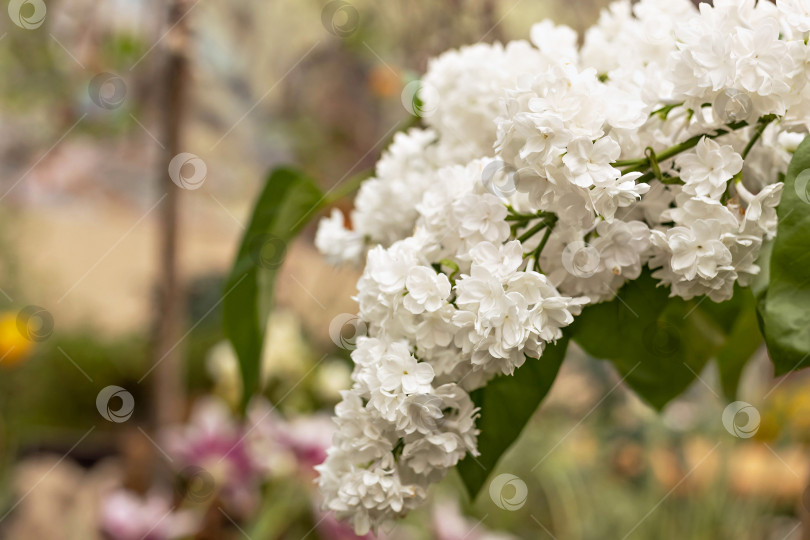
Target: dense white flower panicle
pixel 548 176
pixel 555 41
pixel 503 313
pixel 735 46
pixel 630 37
pixel 396 433
pixel 462 90
pixel 384 208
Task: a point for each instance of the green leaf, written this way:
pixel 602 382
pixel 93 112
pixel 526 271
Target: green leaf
pixel 658 344
pixel 287 199
pixel 507 403
pixel 759 286
pixel 785 306
pixel 744 340
pixel 738 319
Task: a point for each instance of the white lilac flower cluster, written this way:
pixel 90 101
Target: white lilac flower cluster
pixel 549 175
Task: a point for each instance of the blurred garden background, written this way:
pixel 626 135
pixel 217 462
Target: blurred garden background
pixel 111 276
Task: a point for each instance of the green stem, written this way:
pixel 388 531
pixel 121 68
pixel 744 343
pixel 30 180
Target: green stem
pixel 452 266
pixel 627 162
pixel 539 249
pixel 534 230
pixel 515 216
pixel 761 125
pixel 643 164
pixel 664 111
pixel 653 159
pixel 398 448
pixel 542 243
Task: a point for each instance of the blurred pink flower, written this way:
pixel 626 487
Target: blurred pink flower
pixel 126 516
pixel 308 438
pixel 330 527
pixel 211 447
pixel 450 524
pixel 274 442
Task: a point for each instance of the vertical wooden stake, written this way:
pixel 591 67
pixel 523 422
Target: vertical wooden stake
pixel 168 389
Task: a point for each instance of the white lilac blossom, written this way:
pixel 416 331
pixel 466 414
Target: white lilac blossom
pixel 460 102
pixel 707 170
pixel 547 177
pixel 337 242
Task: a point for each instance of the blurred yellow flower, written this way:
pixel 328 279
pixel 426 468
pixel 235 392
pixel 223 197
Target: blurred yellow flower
pixel 14 347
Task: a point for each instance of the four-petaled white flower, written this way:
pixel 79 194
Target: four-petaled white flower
pixel 697 250
pixel 399 372
pixel 590 162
